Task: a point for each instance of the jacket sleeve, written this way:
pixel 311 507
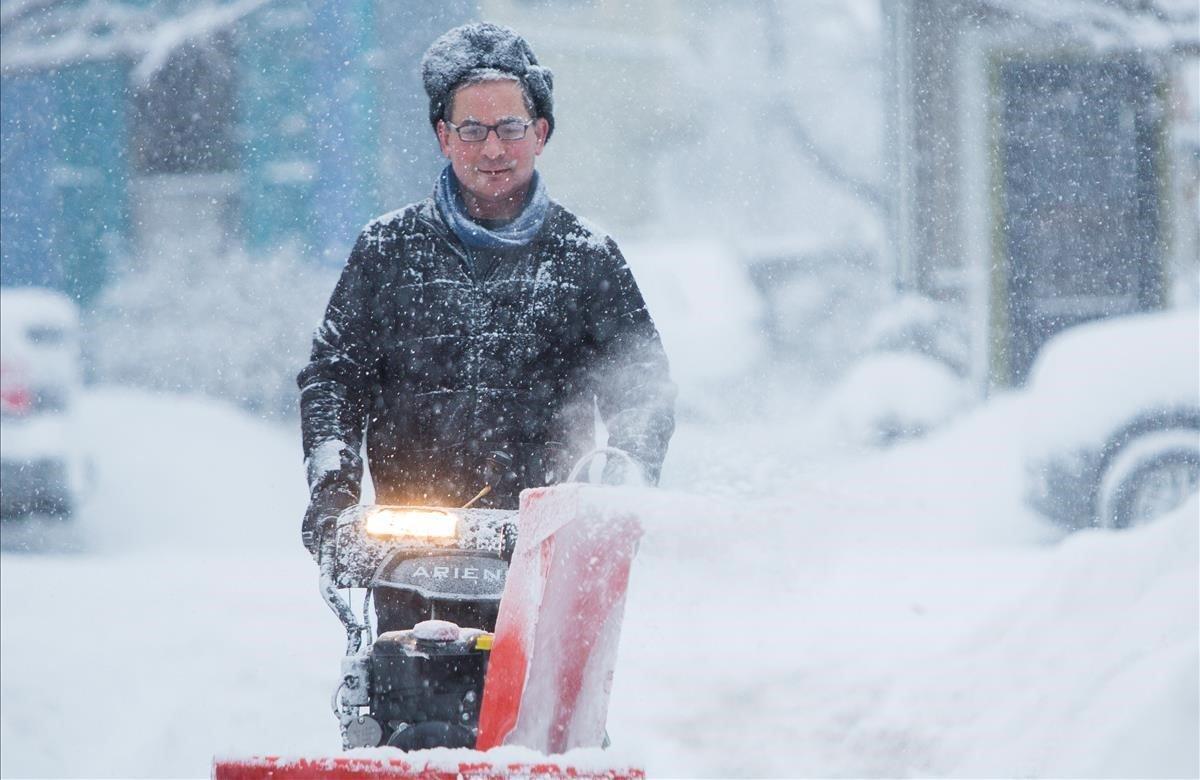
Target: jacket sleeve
pixel 629 369
pixel 335 386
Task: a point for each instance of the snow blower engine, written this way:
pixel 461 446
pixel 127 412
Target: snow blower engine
pixel 435 577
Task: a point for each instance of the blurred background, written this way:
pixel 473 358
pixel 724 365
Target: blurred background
pixel 797 184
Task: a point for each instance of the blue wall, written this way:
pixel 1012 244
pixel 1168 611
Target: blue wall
pixel 63 181
pixel 91 176
pixel 311 75
pixel 330 90
pixel 27 205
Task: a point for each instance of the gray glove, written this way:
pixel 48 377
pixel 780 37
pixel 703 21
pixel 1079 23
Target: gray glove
pixel 323 510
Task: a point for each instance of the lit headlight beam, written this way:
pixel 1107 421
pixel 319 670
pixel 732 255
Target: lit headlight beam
pixel 412 523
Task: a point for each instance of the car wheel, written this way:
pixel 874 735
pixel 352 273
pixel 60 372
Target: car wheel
pixel 1149 477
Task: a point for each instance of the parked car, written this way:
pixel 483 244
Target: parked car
pixel 1113 429
pixel 41 468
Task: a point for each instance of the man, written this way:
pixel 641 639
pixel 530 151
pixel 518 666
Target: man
pixel 473 335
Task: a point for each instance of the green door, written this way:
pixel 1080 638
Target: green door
pixel 1081 204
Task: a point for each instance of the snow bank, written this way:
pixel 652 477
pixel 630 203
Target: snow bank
pixel 202 629
pixel 189 472
pixel 1092 673
pixel 893 395
pixel 914 323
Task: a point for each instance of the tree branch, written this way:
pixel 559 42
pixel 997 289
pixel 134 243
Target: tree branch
pixel 47 35
pixel 825 163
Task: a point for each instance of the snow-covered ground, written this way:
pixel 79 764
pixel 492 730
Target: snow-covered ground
pixel 791 613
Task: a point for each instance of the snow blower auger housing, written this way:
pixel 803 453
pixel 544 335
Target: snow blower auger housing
pixel 436 577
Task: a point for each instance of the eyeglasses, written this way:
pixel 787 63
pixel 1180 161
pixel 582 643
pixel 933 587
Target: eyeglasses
pixel 474 132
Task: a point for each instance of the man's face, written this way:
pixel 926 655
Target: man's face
pixel 495 174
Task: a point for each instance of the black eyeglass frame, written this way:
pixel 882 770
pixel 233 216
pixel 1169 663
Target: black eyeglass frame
pixel 488 129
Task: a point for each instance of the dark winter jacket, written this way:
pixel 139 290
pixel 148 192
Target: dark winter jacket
pixel 445 356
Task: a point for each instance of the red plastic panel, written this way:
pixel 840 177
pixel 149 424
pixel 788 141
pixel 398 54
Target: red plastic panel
pixel 552 661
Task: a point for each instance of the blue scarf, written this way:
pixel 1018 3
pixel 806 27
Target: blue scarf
pixel 448 196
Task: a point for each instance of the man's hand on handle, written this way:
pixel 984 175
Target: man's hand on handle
pixel 323 510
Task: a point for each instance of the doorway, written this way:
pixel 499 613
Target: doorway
pixel 1080 206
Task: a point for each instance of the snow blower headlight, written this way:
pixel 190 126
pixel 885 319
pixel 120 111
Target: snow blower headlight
pixel 424 524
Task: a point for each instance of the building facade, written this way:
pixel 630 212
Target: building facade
pixel 1033 165
pixel 265 124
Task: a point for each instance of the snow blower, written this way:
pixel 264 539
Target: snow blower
pixel 495 636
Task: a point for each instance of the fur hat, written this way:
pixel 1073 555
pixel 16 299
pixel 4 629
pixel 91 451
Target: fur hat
pixel 482 45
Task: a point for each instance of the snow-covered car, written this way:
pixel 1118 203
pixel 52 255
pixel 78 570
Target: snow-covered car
pixel 1113 431
pixel 41 470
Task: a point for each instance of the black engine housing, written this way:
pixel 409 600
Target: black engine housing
pixel 436 683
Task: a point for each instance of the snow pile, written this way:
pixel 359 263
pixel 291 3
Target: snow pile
pixel 187 474
pixel 893 395
pixel 914 323
pixel 902 615
pixel 1093 379
pixel 1093 672
pixel 910 379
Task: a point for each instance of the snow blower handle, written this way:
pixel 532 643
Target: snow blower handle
pixel 355 631
pixel 587 459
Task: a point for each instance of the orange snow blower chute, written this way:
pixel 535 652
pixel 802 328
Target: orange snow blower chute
pixel 556 637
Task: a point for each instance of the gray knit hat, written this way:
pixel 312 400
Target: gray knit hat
pixel 484 45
